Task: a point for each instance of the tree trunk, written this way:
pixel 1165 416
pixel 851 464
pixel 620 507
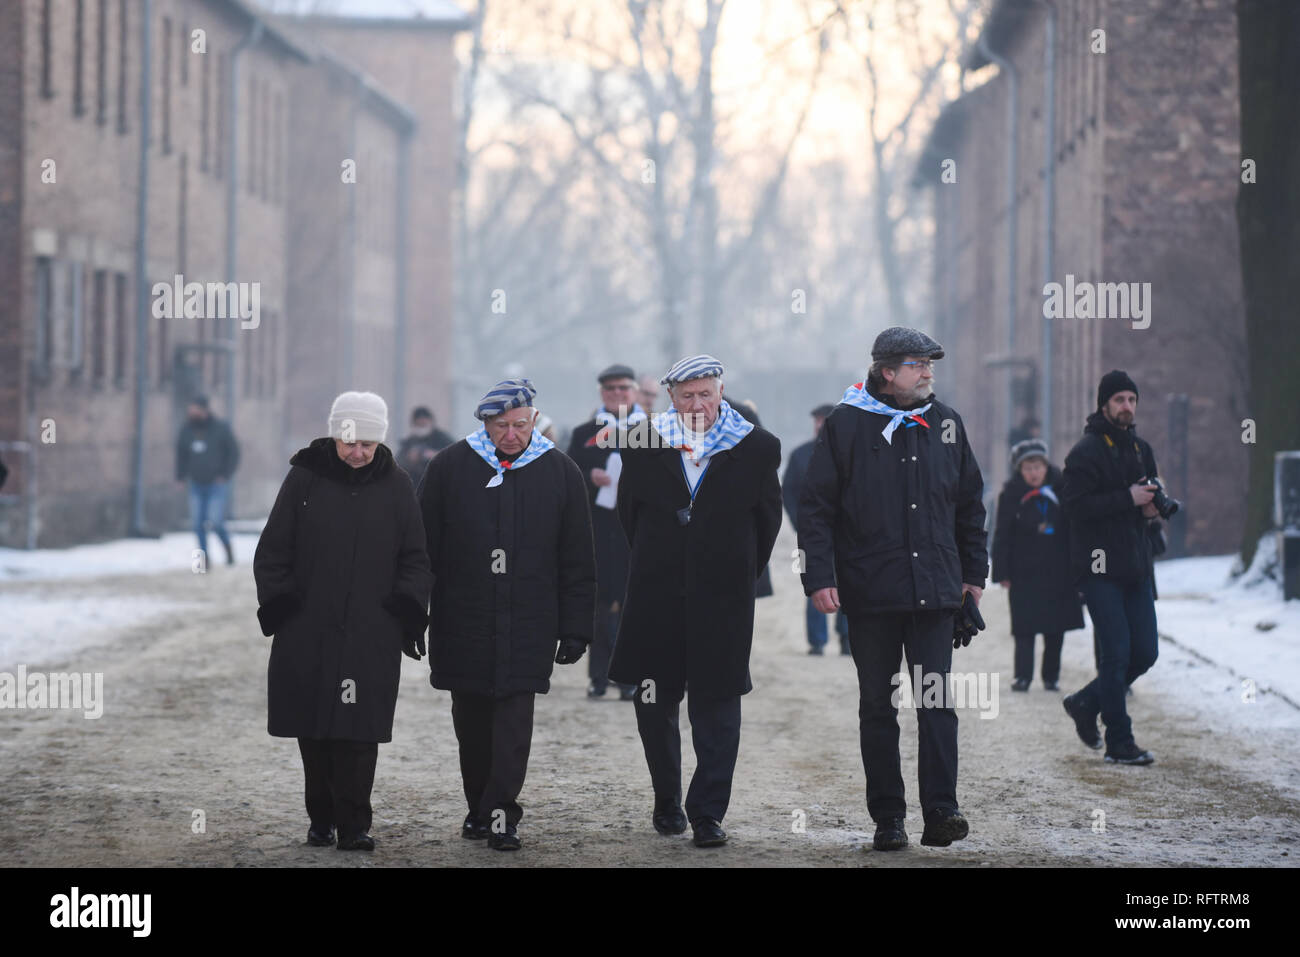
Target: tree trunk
pixel 1268 219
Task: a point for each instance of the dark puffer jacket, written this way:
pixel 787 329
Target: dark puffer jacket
pixel 894 526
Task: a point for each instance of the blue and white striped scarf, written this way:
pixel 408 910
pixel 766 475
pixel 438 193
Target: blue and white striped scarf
pixel 857 396
pixel 480 443
pixel 727 431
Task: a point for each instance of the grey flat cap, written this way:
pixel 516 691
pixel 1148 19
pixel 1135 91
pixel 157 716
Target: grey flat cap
pixel 616 371
pixel 901 341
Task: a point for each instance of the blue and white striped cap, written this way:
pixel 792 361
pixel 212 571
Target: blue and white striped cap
pixel 693 367
pixel 505 395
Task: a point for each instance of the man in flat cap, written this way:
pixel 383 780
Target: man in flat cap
pixel 791 489
pixel 701 505
pixel 891 525
pixel 508 531
pixel 600 467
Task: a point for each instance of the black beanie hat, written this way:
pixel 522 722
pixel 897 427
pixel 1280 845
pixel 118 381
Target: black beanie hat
pixel 1116 380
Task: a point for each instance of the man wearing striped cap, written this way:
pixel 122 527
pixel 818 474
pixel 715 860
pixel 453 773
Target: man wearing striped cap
pixel 701 505
pixel 508 530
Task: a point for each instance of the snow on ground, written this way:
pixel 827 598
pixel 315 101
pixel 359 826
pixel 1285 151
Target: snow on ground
pixel 126 556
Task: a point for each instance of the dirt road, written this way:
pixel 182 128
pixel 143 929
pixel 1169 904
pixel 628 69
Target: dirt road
pixel 184 731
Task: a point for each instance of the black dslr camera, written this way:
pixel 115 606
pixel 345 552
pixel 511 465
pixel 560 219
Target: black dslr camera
pixel 1166 506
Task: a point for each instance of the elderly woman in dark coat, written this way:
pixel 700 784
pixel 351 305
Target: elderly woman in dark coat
pixel 1031 557
pixel 342 581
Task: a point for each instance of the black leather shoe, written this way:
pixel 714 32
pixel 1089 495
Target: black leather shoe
pixel 1051 686
pixel 362 842
pixel 1085 722
pixel 627 693
pixel 320 838
pixel 473 829
pixel 1129 754
pixel 595 690
pixel 1020 684
pixel 816 650
pixel 890 835
pixel 505 841
pixel 668 817
pixel 708 833
pixel 943 827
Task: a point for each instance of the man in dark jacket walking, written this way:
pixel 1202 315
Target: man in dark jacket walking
pixel 791 489
pixel 601 468
pixel 424 442
pixel 508 532
pixel 1108 491
pixel 891 525
pixel 207 456
pixel 700 501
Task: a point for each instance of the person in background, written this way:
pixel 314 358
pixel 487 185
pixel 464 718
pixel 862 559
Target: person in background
pixel 648 393
pixel 748 410
pixel 1031 559
pixel 342 580
pixel 600 468
pixel 206 457
pixel 1108 492
pixel 546 427
pixel 791 489
pixel 424 442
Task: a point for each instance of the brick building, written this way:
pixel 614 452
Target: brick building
pixel 1143 175
pixel 328 258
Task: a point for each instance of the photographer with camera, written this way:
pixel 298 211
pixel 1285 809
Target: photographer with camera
pixel 1110 494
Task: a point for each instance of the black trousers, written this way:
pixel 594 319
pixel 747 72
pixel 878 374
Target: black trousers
pixel 715 733
pixel 604 637
pixel 1051 656
pixel 340 776
pixel 878 642
pixel 495 735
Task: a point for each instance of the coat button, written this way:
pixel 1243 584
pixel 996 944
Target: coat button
pixel 914 555
pixel 922 601
pixel 913 458
pixel 913 505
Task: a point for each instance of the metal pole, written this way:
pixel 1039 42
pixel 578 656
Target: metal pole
pixel 136 527
pixel 399 329
pixel 1049 207
pixel 232 204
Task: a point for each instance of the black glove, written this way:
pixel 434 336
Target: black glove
pixel 413 620
pixel 413 646
pixel 967 623
pixel 276 612
pixel 571 649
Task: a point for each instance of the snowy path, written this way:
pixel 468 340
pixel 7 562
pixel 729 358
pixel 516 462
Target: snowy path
pixel 184 729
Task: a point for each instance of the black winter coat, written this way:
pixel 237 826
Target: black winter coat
pixel 895 527
pixel 341 574
pixel 792 484
pixel 206 451
pixel 689 616
pixel 1095 492
pixel 1036 561
pixel 611 543
pixel 514 570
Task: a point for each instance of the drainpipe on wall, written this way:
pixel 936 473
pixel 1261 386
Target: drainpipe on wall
pixel 1049 208
pixel 399 247
pixel 136 526
pixel 232 202
pixel 1013 179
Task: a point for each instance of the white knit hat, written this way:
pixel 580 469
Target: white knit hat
pixel 359 417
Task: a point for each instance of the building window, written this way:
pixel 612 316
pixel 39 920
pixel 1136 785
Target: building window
pixel 166 77
pixel 185 54
pixel 262 189
pixel 44 315
pixel 121 341
pixel 123 27
pixel 99 328
pixel 101 64
pixel 47 16
pixel 204 119
pixel 79 59
pixel 72 320
pixel 219 150
pixel 251 113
